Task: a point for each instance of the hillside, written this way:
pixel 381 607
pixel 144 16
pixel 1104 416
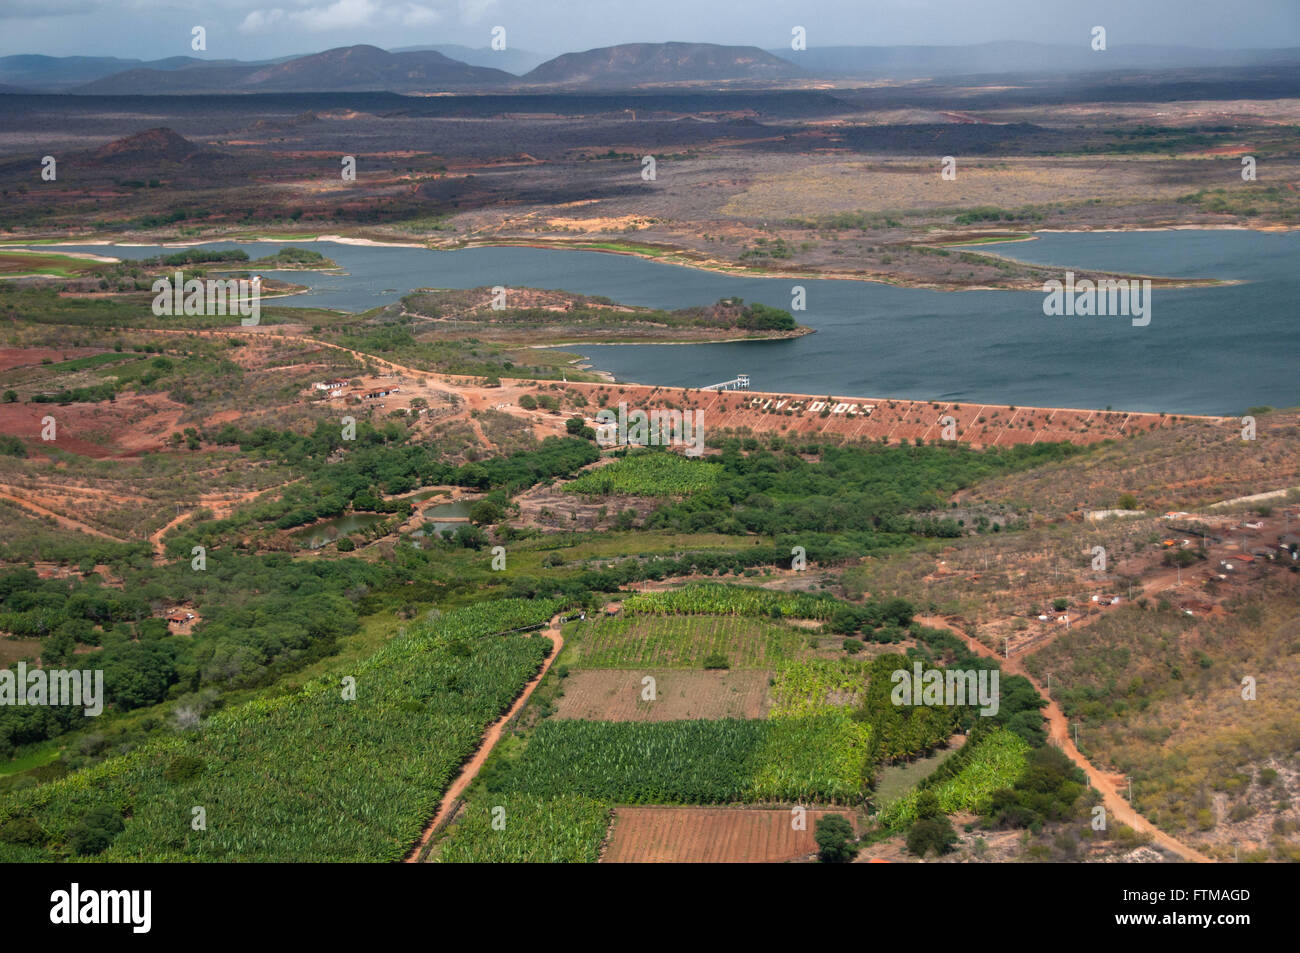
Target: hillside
pixel 345 69
pixel 635 64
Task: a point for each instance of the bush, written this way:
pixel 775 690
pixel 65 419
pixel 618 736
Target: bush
pixel 22 831
pixel 183 767
pixel 345 544
pixel 716 660
pixel 484 512
pixel 853 646
pixel 96 831
pixel 931 834
pixel 834 836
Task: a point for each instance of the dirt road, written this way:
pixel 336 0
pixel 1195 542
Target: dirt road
pixel 490 738
pixel 1058 733
pixel 64 521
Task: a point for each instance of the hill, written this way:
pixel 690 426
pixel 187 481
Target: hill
pixel 635 64
pixel 344 69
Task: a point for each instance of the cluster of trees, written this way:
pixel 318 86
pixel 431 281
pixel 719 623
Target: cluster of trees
pixel 197 256
pixel 1019 704
pixel 904 731
pixel 851 490
pixel 262 615
pixel 378 462
pixel 891 615
pixel 1049 790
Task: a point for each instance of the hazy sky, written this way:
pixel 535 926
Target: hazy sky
pixel 259 29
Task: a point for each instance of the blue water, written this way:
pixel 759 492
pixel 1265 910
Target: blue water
pixel 1207 350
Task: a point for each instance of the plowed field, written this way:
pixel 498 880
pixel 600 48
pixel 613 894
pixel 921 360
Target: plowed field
pixel 704 835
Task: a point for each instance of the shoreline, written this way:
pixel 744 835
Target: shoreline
pixel 672 254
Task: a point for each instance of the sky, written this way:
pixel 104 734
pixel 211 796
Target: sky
pixel 264 29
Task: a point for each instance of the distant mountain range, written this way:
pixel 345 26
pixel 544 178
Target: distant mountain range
pixel 511 60
pixel 909 62
pixel 627 66
pixel 635 64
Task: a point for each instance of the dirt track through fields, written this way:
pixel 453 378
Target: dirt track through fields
pixel 490 738
pixel 1058 733
pixel 64 521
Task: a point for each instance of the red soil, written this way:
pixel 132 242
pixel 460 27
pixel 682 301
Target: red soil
pixel 703 835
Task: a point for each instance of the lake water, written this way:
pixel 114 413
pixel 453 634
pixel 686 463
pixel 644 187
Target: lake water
pixel 455 510
pixel 1206 350
pixel 320 534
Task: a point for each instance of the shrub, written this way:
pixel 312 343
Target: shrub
pixel 931 834
pixel 23 831
pixel 182 768
pixel 834 836
pixel 96 831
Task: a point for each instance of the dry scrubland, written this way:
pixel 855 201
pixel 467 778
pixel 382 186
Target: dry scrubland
pixel 1160 698
pixel 842 182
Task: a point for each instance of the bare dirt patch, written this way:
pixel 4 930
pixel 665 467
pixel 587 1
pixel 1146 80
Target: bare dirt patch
pixel 616 695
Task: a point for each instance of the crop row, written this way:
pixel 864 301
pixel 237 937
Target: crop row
pixel 691 762
pixel 647 474
pixel 313 775
pixel 815 686
pixel 676 642
pixel 718 599
pixel 525 829
pixel 997 762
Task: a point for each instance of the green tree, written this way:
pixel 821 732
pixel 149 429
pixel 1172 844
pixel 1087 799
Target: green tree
pixel 931 834
pixel 835 842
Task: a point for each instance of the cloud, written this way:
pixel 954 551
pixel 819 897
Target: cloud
pixel 33 9
pixel 471 11
pixel 341 15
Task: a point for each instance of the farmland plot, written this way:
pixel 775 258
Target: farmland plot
pixel 656 641
pixel 620 695
pixel 531 830
pixel 710 835
pixel 309 776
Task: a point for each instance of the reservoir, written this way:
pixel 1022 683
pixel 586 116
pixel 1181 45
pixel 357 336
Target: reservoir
pixel 1208 350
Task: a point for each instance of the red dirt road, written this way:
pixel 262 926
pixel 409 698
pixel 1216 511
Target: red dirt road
pixel 1058 733
pixel 490 738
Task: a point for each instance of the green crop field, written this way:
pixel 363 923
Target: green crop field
pixel 815 686
pixel 718 599
pixel 647 474
pixel 997 761
pixel 526 829
pixel 682 641
pixel 307 776
pixel 692 762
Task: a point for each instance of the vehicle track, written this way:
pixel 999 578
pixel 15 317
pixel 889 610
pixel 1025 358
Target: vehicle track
pixel 488 742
